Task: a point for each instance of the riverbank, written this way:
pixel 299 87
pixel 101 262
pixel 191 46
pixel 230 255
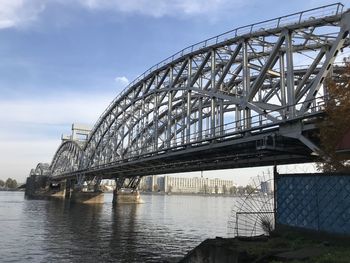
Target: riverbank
pixel 282 246
pixel 11 190
pixel 192 194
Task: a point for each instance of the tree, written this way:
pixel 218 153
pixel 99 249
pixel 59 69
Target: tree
pixel 224 189
pixel 156 188
pixel 216 189
pixel 249 189
pixel 11 183
pixel 206 189
pixel 233 190
pixel 240 190
pixel 8 183
pixel 14 183
pixel 336 123
pixel 2 183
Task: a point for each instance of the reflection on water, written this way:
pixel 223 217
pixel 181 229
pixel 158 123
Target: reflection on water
pixel 162 229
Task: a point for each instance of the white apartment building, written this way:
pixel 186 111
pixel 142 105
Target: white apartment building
pixel 170 184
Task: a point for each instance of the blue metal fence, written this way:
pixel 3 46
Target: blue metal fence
pixel 314 201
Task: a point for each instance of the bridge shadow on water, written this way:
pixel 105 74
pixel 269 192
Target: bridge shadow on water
pixel 89 233
pixel 102 232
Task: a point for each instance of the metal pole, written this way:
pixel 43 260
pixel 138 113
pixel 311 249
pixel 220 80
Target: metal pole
pixel 155 121
pixel 238 118
pixel 170 104
pixel 200 112
pixel 212 128
pixel 221 115
pixel 213 104
pixel 188 113
pixel 188 117
pixel 282 80
pixel 275 176
pixel 290 74
pixel 246 84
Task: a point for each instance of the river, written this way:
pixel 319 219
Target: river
pixel 162 229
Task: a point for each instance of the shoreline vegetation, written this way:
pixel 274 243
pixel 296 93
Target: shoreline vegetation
pixel 9 185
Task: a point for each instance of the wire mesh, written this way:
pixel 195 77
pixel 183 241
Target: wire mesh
pixel 253 211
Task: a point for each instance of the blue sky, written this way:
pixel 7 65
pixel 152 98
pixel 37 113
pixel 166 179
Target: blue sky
pixel 63 61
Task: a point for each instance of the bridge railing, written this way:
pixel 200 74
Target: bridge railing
pixel 296 18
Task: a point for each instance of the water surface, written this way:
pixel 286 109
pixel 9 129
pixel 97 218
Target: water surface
pixel 162 229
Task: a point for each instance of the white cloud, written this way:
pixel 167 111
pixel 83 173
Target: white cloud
pixel 21 13
pixel 122 81
pixel 30 129
pixel 53 110
pixel 159 8
pixel 17 13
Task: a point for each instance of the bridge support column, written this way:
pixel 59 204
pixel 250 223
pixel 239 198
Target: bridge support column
pixel 88 193
pixel 126 196
pixel 57 189
pixel 85 197
pixel 69 188
pixel 126 191
pixel 36 186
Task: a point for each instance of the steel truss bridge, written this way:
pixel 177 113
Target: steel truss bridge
pixel 248 97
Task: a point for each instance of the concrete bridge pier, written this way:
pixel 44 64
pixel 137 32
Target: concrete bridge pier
pixel 57 189
pixel 126 196
pixel 69 188
pixel 38 186
pixel 126 191
pixel 87 197
pixel 91 194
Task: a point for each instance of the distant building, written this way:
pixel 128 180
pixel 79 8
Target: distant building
pixel 108 182
pixel 149 183
pixel 107 185
pixel 266 187
pixel 169 184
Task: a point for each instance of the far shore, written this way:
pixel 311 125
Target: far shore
pixel 193 194
pixel 11 190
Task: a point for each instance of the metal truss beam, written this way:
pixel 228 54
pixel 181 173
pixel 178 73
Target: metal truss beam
pixel 239 85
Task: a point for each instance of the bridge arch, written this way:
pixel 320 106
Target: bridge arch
pixel 68 158
pixel 41 169
pixel 219 101
pixel 224 85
